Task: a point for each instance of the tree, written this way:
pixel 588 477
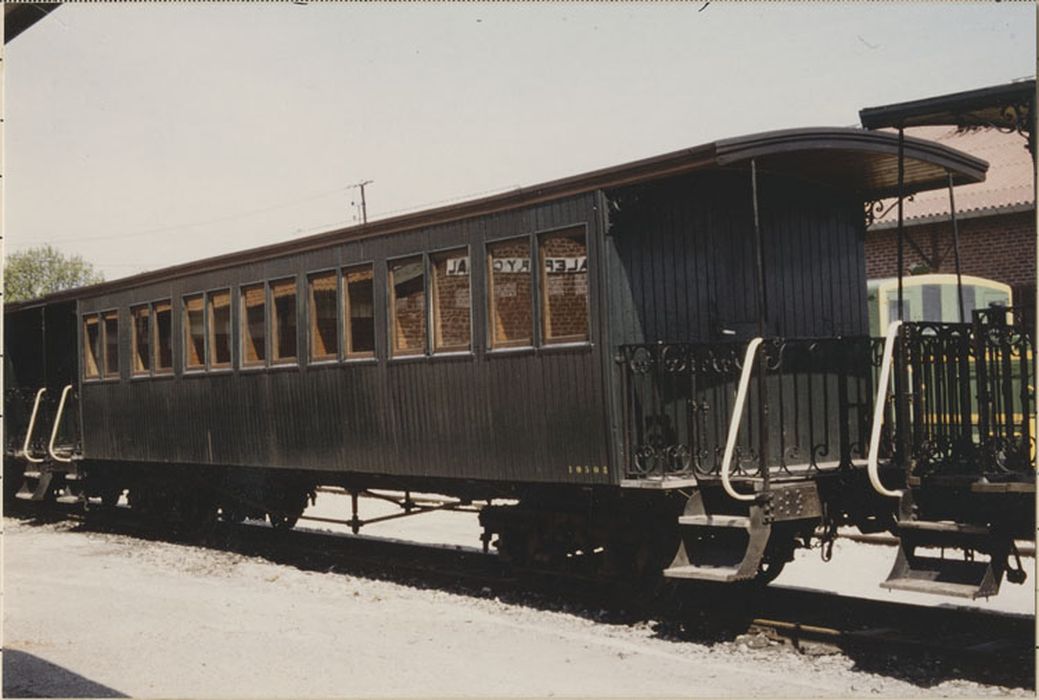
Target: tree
pixel 44 269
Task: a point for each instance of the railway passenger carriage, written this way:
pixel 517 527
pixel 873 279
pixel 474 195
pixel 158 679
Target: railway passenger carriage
pixel 522 345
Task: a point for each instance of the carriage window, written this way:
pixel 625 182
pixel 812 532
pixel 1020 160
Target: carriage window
pixel 111 320
pixel 162 338
pixel 141 355
pixel 254 325
pixel 451 317
pixel 408 307
pixel 194 337
pixel 91 342
pixel 283 321
pixel 564 287
pixel 511 318
pixel 324 334
pixel 359 311
pixel 220 329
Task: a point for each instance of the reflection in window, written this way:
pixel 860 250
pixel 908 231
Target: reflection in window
pixel 359 311
pixel 194 335
pixel 564 287
pixel 283 320
pixel 324 332
pixel 220 329
pixel 408 307
pixel 162 313
pixel 254 325
pixel 111 321
pixel 451 302
pixel 511 318
pixel 91 347
pixel 141 341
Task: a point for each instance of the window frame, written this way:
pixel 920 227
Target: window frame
pixel 156 371
pixel 271 325
pixel 186 335
pixel 542 296
pixel 134 372
pixel 210 329
pixel 492 347
pixel 391 298
pixel 309 318
pixel 344 308
pixel 103 317
pixel 243 319
pixel 84 340
pixel 431 326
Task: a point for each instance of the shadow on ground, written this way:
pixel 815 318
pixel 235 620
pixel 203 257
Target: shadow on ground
pixel 29 676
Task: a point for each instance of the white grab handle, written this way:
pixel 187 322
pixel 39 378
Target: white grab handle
pixel 32 427
pixel 734 422
pixel 57 422
pixel 878 412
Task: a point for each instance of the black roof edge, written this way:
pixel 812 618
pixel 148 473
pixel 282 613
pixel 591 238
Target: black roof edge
pixel 916 112
pixel 19 16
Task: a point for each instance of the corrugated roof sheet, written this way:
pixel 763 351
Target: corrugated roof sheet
pixel 1008 183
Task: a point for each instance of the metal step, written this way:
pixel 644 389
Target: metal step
pixel 943 526
pixel 715 520
pixel 952 577
pixel 721 574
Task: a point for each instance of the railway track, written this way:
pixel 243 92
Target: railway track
pixel 923 644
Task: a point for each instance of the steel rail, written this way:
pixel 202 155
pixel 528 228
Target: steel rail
pixel 734 422
pixel 872 461
pixel 32 427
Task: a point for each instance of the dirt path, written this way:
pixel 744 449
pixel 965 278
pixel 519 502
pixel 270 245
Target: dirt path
pixel 103 615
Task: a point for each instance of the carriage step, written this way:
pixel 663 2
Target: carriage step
pixel 940 576
pixel 721 574
pixel 943 526
pixel 741 521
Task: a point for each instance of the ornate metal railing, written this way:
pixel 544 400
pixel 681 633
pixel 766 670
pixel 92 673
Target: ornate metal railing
pixel 809 406
pixel 970 395
pixel 963 402
pixel 18 403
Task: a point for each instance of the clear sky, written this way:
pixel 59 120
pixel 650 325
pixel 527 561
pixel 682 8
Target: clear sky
pixel 142 135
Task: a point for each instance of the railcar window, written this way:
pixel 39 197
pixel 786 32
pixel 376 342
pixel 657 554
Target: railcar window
pixel 141 339
pixel 162 340
pixel 408 307
pixel 324 333
pixel 451 301
pixel 91 346
pixel 254 325
pixel 564 286
pixel 359 311
pixel 194 336
pixel 283 321
pixel 111 321
pixel 511 316
pixel 220 329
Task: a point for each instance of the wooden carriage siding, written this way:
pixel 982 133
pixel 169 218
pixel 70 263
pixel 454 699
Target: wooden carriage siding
pixel 530 411
pixel 674 248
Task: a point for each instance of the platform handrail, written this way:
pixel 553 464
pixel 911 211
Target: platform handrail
pixel 57 423
pixel 872 467
pixel 32 428
pixel 734 422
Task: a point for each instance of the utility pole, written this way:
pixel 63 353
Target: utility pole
pixel 364 204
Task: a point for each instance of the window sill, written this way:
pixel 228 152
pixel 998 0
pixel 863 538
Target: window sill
pixel 361 361
pixel 283 366
pixel 580 345
pixel 404 359
pixel 458 355
pixel 511 352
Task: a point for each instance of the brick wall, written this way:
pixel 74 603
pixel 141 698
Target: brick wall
pixel 999 247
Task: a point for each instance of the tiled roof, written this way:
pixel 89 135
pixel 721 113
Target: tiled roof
pixel 1008 184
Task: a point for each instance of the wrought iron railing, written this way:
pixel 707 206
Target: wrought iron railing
pixel 970 395
pixel 963 402
pixel 809 406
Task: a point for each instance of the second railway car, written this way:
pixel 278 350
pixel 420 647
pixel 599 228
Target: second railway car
pixel 495 348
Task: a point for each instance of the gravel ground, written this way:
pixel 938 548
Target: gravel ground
pixel 90 614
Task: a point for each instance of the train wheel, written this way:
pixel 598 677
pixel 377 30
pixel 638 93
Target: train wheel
pixel 282 522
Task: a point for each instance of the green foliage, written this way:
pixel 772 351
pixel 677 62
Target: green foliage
pixel 44 269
